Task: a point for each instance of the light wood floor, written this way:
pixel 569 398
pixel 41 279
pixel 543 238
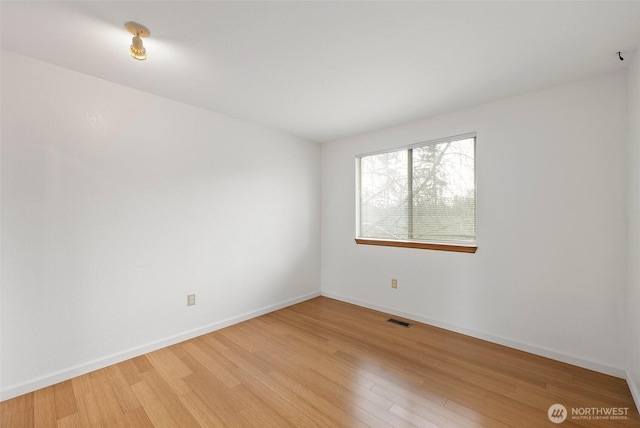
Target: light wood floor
pixel 325 363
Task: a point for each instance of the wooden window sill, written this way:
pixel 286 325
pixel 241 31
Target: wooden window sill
pixel 420 245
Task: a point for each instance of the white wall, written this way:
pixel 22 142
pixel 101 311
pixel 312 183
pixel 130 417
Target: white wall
pixel 550 272
pixel 116 204
pixel 633 292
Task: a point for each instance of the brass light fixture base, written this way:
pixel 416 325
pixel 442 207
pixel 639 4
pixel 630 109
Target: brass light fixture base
pixel 139 31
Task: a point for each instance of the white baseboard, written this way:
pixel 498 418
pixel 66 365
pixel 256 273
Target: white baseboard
pixel 569 359
pixel 635 390
pixel 79 370
pixel 71 372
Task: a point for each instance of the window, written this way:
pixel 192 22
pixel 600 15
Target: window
pixel 421 196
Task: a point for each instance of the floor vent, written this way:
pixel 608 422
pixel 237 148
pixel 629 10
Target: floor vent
pixel 402 323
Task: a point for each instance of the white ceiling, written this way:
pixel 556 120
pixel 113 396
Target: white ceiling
pixel 327 70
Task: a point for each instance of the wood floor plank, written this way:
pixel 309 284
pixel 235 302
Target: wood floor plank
pixel 414 392
pixel 109 406
pixel 212 361
pixel 277 398
pixel 171 369
pixel 70 421
pixel 17 412
pixel 65 401
pixel 138 418
pixel 89 412
pixel 342 387
pixel 257 412
pixel 153 408
pixel 125 396
pixel 322 400
pixel 142 363
pixel 200 411
pixel 325 363
pixel 431 411
pixel 222 401
pixel 237 353
pixel 82 385
pixel 44 408
pixel 130 372
pixel 411 417
pixel 169 399
pixel 480 419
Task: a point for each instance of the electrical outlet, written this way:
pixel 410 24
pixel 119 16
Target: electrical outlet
pixel 394 283
pixel 191 299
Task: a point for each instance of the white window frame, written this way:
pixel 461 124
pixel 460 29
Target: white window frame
pixel 466 247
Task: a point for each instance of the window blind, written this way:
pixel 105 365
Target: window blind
pixel 425 192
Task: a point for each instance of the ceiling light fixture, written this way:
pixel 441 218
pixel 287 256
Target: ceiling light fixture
pixel 137 48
